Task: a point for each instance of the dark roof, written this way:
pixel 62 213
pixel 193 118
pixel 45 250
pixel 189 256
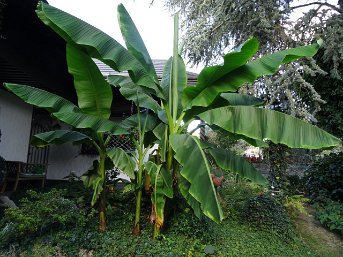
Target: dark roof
pixel 158 64
pixel 32 54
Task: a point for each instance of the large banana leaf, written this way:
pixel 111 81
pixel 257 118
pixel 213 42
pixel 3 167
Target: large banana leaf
pixel 261 124
pixel 122 161
pixel 234 136
pixel 82 120
pixel 139 96
pixel 118 80
pixel 132 122
pixel 162 184
pixel 97 44
pixel 206 90
pixel 161 133
pixel 41 98
pixel 94 180
pixel 58 137
pixel 132 92
pixel 232 61
pixel 240 99
pixel 196 170
pixel 184 186
pixel 228 160
pixel 225 99
pixel 134 42
pixel 94 94
pixel 181 81
pixel 166 78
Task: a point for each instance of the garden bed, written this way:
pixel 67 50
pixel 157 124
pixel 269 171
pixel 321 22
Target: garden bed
pixel 183 235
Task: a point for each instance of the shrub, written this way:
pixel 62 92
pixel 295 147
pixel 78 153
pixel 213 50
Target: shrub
pixel 330 215
pixel 295 204
pixel 324 185
pixel 296 185
pixel 324 179
pixel 39 212
pixel 265 212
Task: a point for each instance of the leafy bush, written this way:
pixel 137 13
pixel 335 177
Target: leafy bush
pixel 324 185
pixel 296 185
pixel 324 179
pixel 39 212
pixel 295 204
pixel 330 215
pixel 265 212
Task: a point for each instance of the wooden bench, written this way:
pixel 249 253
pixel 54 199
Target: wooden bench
pixel 19 171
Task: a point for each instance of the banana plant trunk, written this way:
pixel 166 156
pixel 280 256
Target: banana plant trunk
pixel 136 228
pixel 102 212
pixel 102 202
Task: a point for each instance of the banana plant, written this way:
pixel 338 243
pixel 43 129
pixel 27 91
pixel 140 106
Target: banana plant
pixel 90 117
pixel 180 163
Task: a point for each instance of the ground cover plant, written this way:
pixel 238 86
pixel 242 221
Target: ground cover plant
pixel 324 186
pixel 172 106
pixel 185 234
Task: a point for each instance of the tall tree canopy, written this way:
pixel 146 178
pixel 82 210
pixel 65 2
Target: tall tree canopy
pixel 212 27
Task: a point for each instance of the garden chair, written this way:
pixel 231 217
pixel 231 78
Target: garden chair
pixel 19 171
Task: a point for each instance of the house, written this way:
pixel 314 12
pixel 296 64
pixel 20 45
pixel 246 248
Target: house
pixel 32 54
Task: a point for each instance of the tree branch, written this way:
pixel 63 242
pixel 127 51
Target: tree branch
pixel 337 9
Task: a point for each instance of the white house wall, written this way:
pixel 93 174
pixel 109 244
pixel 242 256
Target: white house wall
pixel 66 158
pixel 15 126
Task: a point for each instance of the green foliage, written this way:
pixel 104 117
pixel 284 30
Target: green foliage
pixel 296 185
pixel 184 234
pixel 330 214
pixel 189 225
pixel 324 179
pixel 265 212
pixel 42 249
pixel 210 27
pixel 330 85
pixel 39 212
pixel 278 165
pixel 324 184
pixel 176 105
pixel 221 140
pixel 295 204
pixel 234 195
